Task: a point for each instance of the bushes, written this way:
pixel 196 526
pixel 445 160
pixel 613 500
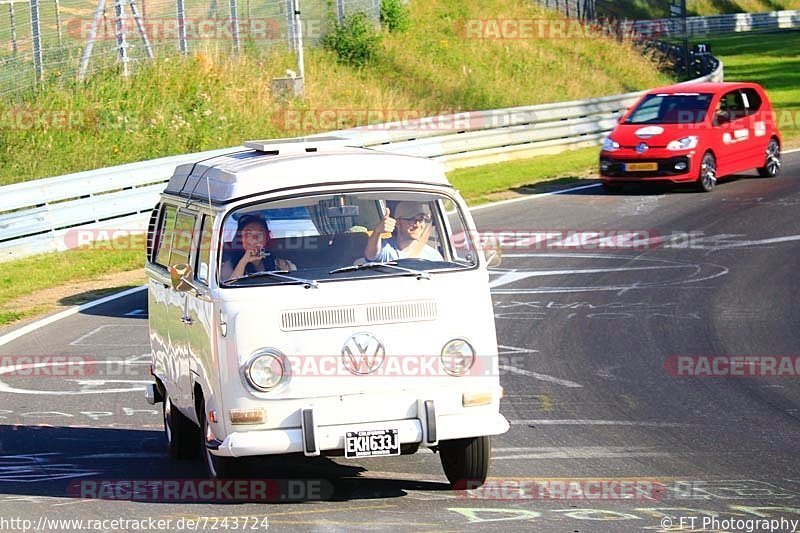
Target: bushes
pixel 355 40
pixel 394 15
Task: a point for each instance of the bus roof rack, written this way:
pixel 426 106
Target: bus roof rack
pixel 299 145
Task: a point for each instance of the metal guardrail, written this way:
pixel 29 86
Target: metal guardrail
pixel 43 215
pixel 715 24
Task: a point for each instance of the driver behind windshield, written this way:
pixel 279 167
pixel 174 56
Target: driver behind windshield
pixel 410 229
pixel 246 253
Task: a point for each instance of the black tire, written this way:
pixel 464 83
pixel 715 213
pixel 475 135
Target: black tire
pixel 612 188
pixel 707 178
pixel 216 467
pixel 466 461
pixel 772 161
pixel 181 433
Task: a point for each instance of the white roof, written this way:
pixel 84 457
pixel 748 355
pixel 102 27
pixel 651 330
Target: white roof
pixel 292 163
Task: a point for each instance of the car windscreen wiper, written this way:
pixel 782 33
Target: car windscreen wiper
pixel 280 274
pixel 420 274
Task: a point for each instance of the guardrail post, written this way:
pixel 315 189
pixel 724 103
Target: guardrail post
pixel 36 36
pixel 340 11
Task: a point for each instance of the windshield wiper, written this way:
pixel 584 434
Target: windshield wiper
pixel 281 274
pixel 420 274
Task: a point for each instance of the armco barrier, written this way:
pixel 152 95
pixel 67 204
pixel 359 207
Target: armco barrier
pixel 37 214
pixel 715 24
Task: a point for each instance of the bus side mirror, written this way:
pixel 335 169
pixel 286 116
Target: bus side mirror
pixel 181 277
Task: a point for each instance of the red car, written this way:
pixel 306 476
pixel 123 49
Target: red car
pixel 693 133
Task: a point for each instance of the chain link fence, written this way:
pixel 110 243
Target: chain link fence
pixel 44 41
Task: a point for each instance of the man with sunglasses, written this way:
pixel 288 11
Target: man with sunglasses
pixel 410 228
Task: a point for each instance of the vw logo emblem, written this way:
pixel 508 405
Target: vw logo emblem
pixel 363 354
pixel 642 148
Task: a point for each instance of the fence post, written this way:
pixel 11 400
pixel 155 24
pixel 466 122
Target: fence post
pixel 58 21
pixel 182 26
pixel 13 29
pixel 87 52
pixel 122 43
pixel 290 30
pixel 340 11
pixel 234 25
pixel 36 35
pixel 140 26
pixel 299 33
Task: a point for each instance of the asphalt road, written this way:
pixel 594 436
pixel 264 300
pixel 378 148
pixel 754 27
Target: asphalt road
pixel 589 339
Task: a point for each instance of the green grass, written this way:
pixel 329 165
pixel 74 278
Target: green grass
pixel 771 59
pixel 23 277
pixel 482 184
pixel 658 8
pixel 210 100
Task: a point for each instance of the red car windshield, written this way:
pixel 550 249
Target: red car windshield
pixel 688 108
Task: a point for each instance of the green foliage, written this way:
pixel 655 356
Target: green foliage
pixel 395 16
pixel 355 41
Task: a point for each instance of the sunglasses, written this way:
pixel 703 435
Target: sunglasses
pixel 418 218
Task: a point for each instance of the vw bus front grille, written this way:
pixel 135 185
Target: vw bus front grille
pixel 358 315
pixel 401 312
pixel 332 317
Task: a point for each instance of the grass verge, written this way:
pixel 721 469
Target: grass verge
pixel 773 60
pixel 37 284
pixel 659 8
pixel 209 100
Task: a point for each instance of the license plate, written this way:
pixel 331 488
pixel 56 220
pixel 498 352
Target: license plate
pixel 373 443
pixel 641 167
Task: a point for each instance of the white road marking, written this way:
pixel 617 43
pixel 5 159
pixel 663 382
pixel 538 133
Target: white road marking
pixel 534 196
pixel 540 377
pixel 579 452
pixel 33 326
pixel 79 340
pixel 84 383
pixel 508 350
pixel 136 312
pixel 586 422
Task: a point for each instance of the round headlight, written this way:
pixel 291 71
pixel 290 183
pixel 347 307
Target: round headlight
pixel 265 370
pixel 457 357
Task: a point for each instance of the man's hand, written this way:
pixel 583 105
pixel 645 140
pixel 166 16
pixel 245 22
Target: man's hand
pixel 387 224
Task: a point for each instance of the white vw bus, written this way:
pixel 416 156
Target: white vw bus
pixel 310 297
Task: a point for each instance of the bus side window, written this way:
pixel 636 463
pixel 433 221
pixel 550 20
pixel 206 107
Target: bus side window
pixel 163 238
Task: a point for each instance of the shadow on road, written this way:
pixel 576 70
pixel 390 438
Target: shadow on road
pixel 104 463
